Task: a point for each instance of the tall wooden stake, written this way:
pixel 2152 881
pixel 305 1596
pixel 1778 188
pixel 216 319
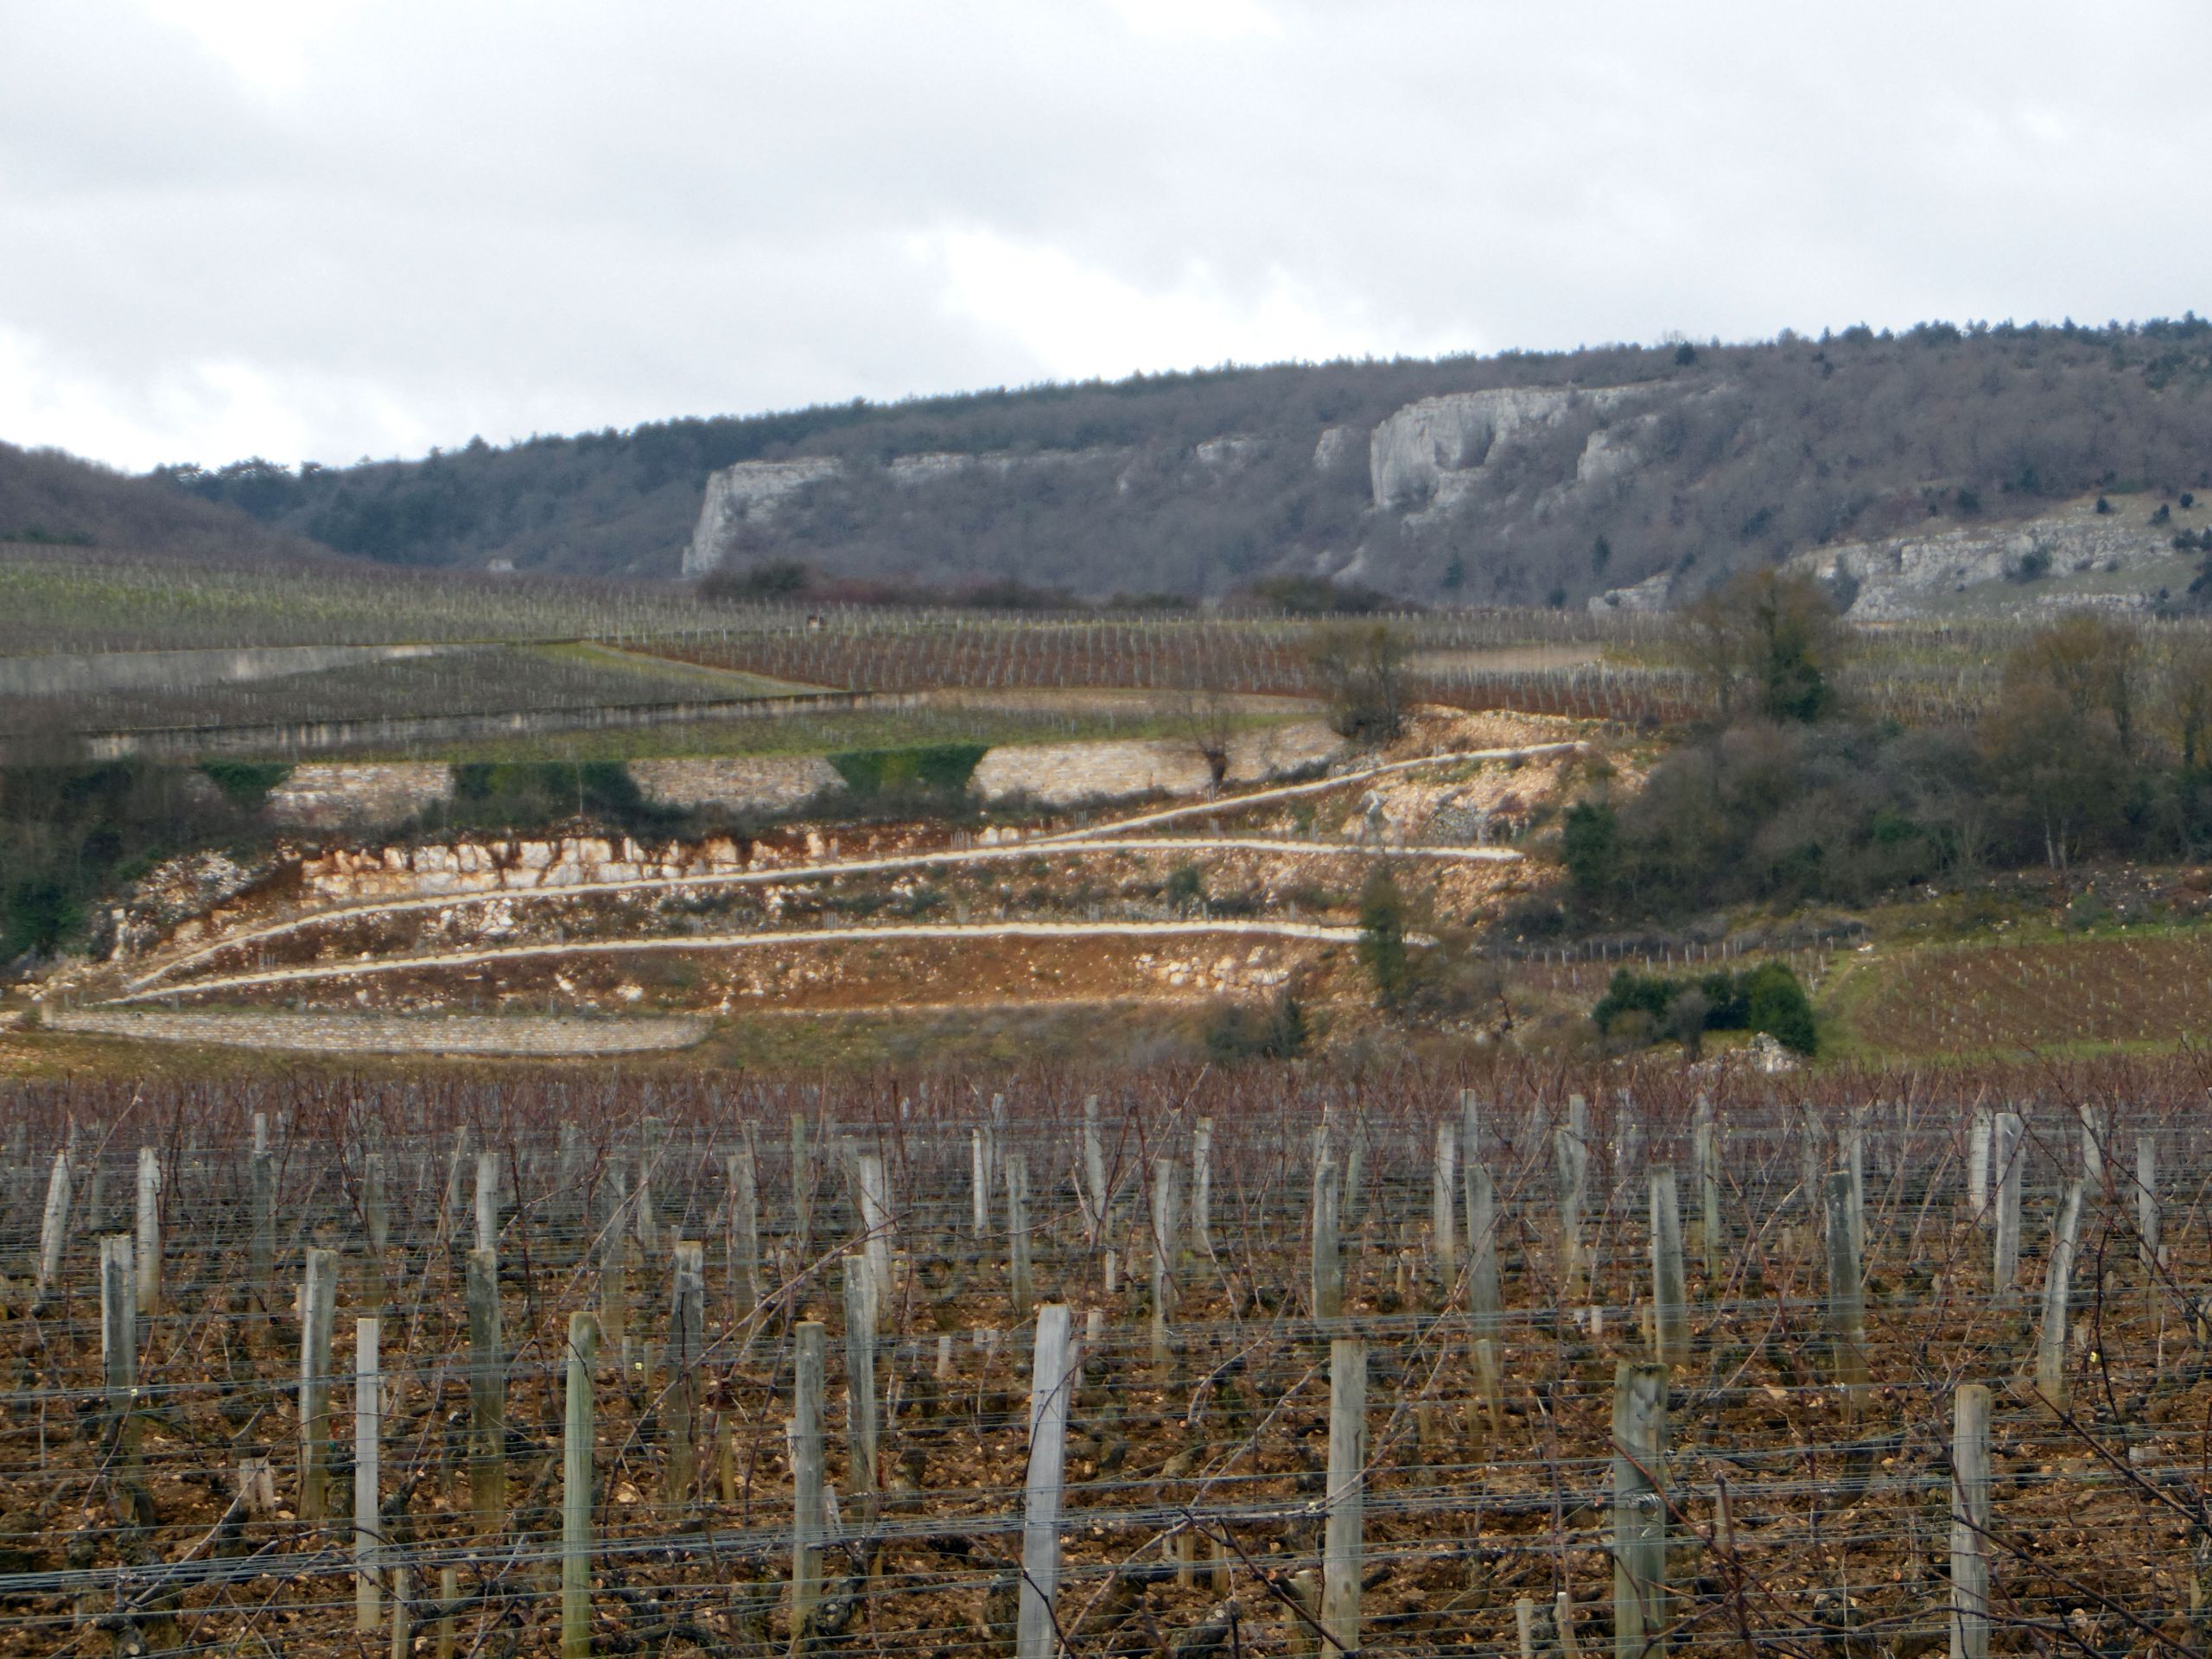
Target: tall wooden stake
pixel 487 1396
pixel 687 1342
pixel 1328 1267
pixel 1846 1293
pixel 1165 1193
pixel 1036 1636
pixel 2012 1155
pixel 1342 1546
pixel 1670 1290
pixel 1017 1226
pixel 2057 1300
pixel 1639 1511
pixel 149 1261
pixel 576 1489
pixel 2146 1199
pixel 861 1408
pixel 368 1429
pixel 1970 1523
pixel 809 1515
pixel 318 1308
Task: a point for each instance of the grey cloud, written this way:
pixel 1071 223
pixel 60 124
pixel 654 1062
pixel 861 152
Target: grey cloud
pixel 514 217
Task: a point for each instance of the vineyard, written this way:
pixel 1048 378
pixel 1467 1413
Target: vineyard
pixel 1993 999
pixel 1617 665
pixel 462 680
pixel 1176 1363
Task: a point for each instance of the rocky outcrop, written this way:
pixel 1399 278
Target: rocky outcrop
pixel 1604 457
pixel 1229 451
pixel 742 784
pixel 366 796
pixel 753 492
pixel 1069 774
pixel 748 493
pixel 1899 576
pixel 1273 751
pixel 1414 453
pixel 1065 774
pixel 1334 444
pixel 517 865
pixel 1650 594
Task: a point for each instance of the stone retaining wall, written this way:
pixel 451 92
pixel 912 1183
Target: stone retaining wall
pixel 380 795
pixel 738 782
pixel 370 796
pixel 1067 774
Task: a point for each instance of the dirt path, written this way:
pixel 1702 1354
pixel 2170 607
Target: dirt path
pixel 537 1034
pixel 785 938
pixel 798 873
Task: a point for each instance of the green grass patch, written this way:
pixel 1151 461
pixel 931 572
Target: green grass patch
pixel 246 784
pixel 936 768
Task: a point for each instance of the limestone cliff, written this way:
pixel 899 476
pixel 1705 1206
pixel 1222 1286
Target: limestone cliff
pixel 1413 453
pixel 747 492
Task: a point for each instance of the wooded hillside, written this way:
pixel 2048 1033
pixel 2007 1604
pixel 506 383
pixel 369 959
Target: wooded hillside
pixel 1695 458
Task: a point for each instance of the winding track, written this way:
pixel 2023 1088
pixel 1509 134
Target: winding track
pixel 1095 838
pixel 785 936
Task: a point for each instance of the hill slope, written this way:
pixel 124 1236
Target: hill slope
pixel 1527 478
pixel 47 496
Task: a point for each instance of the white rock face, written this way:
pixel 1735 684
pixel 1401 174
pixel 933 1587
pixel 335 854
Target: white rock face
pixel 1413 453
pixel 1604 458
pixel 1650 594
pixel 748 491
pixel 1229 451
pixel 929 466
pixel 1331 447
pixel 1898 577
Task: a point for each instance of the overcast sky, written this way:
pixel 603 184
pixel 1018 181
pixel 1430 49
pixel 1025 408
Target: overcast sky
pixel 315 229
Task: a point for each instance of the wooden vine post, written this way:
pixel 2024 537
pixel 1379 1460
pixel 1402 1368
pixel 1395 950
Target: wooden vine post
pixel 149 1262
pixel 861 1408
pixel 576 1489
pixel 1328 1266
pixel 1020 1283
pixel 1037 1634
pixel 119 1348
pixel 487 1396
pixel 2057 1300
pixel 1165 1193
pixel 1342 1549
pixel 1571 1163
pixel 1639 1511
pixel 1670 1291
pixel 744 1232
pixel 54 1223
pixel 687 1342
pixel 2011 1156
pixel 1970 1516
pixel 317 1309
pixel 808 1510
pixel 1443 1202
pixel 368 1429
pixel 2148 1219
pixel 1846 1294
pixel 1706 1146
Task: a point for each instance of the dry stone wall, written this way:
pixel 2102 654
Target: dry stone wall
pixel 511 865
pixel 1067 774
pixel 738 783
pixel 373 796
pixel 336 796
